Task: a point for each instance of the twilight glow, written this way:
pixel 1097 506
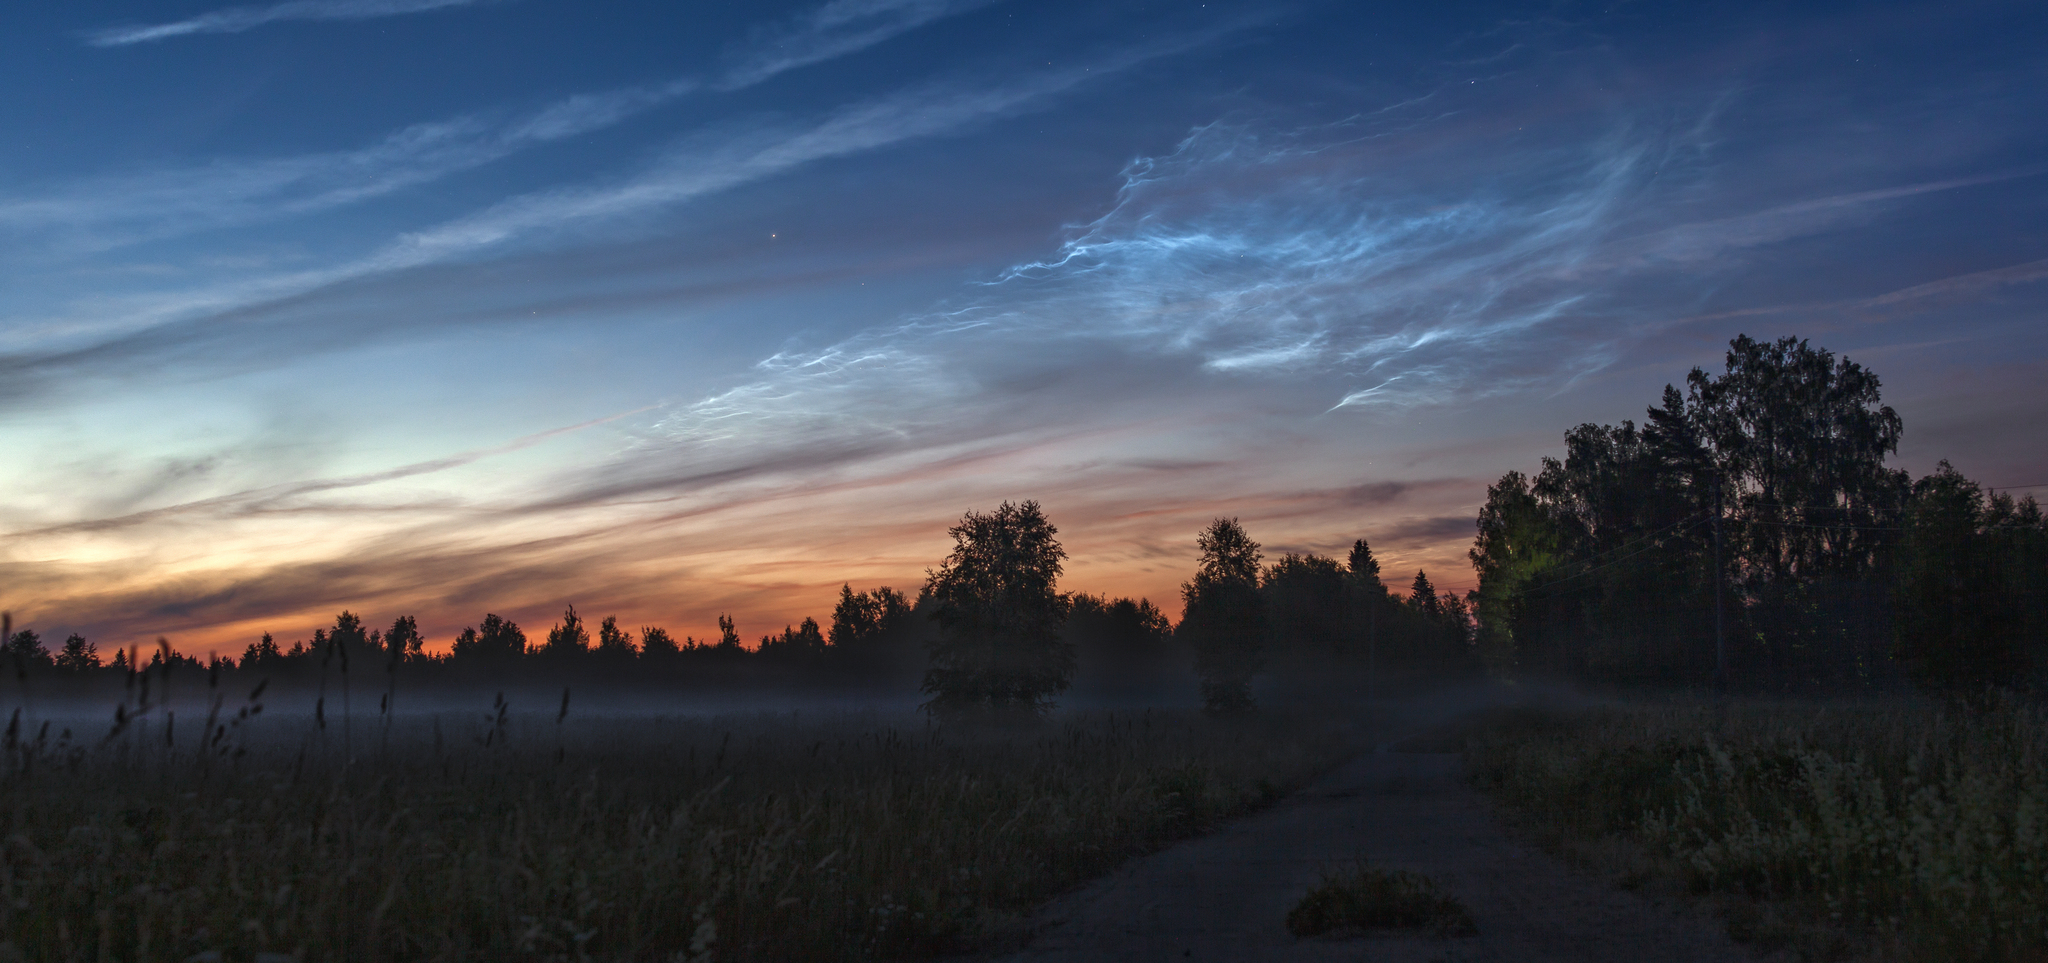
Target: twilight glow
pixel 442 307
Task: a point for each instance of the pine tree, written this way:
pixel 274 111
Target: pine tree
pixel 78 655
pixel 25 648
pixel 1422 596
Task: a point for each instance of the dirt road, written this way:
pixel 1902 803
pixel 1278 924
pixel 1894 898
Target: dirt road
pixel 1225 896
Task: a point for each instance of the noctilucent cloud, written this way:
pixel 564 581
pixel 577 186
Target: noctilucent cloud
pixel 440 307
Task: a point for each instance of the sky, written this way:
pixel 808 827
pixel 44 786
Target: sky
pixel 667 310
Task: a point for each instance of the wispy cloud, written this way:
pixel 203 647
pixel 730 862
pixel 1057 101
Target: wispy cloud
pixel 1270 258
pixel 101 212
pixel 288 496
pixel 1705 240
pixel 833 30
pixel 238 19
pixel 1278 255
pixel 108 211
pixel 700 166
pixel 705 166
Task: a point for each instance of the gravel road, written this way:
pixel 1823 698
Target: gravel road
pixel 1225 896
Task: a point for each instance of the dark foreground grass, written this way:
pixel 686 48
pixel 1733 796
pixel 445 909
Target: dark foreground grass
pixel 1365 898
pixel 836 837
pixel 1898 832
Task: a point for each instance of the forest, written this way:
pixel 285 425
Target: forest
pixel 1749 534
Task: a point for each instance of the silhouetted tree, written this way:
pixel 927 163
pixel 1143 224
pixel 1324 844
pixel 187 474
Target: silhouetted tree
pixel 873 635
pixel 1370 608
pixel 1962 592
pixel 807 636
pixel 568 639
pixel 403 640
pixel 999 613
pixel 262 654
pixel 25 650
pixel 1517 547
pixel 78 655
pixel 1223 617
pixel 1362 573
pixel 1431 631
pixel 804 641
pixel 728 636
pixel 859 617
pixel 1802 438
pixel 1306 608
pixel 656 645
pixel 1122 645
pixel 1422 596
pixel 613 642
pixel 1605 564
pixel 1799 438
pixel 1455 615
pixel 497 639
pixel 348 633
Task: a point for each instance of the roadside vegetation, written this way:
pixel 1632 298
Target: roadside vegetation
pixel 1360 899
pixel 510 836
pixel 1750 538
pixel 1894 831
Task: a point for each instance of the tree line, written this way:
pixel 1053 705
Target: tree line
pixel 1747 534
pixel 1750 534
pixel 990 629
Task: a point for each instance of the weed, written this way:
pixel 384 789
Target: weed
pixel 1896 828
pixel 833 837
pixel 1367 898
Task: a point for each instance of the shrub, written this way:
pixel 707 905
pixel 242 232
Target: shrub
pixel 1365 898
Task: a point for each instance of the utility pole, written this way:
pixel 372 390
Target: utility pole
pixel 1720 646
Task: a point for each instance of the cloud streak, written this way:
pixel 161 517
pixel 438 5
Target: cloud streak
pixel 834 30
pixel 700 166
pixel 1268 258
pixel 699 169
pixel 110 211
pixel 239 19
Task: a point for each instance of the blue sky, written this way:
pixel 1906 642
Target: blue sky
pixel 439 307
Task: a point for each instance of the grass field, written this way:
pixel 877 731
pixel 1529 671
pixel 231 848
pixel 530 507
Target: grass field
pixel 1900 832
pixel 484 836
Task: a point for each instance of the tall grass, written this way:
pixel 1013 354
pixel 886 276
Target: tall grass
pixel 528 837
pixel 1904 831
